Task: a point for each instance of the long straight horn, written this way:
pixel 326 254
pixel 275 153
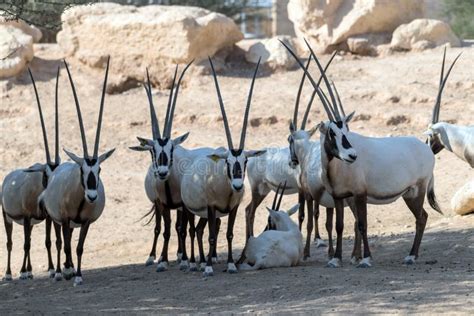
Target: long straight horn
pixel 170 119
pixel 79 115
pixel 300 88
pixel 57 159
pixel 221 104
pixel 442 83
pixel 274 204
pixel 339 102
pixel 327 108
pixel 247 109
pixel 310 103
pixel 43 127
pixel 281 196
pixel 101 111
pixel 155 126
pixel 170 101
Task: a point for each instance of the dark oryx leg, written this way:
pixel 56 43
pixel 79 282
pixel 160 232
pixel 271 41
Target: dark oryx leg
pixel 214 252
pixel 192 235
pixel 157 230
pixel 68 271
pixel 301 200
pixel 337 260
pixel 57 229
pixel 79 251
pixel 47 243
pixel 231 268
pixel 200 232
pixel 72 261
pixel 8 230
pixel 356 255
pixel 26 247
pixel 416 207
pixel 163 264
pixel 211 217
pixel 361 206
pixel 320 243
pixel 184 264
pixel 29 268
pixel 309 228
pixel 178 227
pixel 329 225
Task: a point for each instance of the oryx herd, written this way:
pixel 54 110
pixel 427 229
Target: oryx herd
pixel 341 169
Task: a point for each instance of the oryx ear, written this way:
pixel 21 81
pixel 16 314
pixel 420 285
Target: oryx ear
pixel 74 158
pixel 429 132
pixel 218 154
pixel 313 130
pixel 349 117
pixel 140 148
pixel 254 153
pixel 293 210
pixel 37 167
pixel 145 141
pixel 292 127
pixel 323 128
pixel 269 210
pixel 106 156
pixel 180 139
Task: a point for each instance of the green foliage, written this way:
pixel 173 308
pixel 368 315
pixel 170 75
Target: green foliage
pixel 461 17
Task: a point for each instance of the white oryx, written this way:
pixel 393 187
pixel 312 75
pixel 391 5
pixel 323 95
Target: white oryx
pixel 75 195
pixel 371 170
pixel 163 180
pixel 214 185
pixel 19 199
pixel 457 139
pixel 279 246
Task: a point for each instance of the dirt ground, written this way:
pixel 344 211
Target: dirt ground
pixel 392 95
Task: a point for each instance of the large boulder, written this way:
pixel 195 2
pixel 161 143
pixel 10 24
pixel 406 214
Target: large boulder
pixel 153 36
pixel 462 202
pixel 424 33
pixel 328 24
pixel 16 46
pixel 273 54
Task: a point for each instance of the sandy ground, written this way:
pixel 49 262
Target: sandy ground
pixel 399 88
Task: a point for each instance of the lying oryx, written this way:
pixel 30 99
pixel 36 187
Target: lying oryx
pixel 75 194
pixel 371 170
pixel 456 139
pixel 281 245
pixel 214 185
pixel 21 189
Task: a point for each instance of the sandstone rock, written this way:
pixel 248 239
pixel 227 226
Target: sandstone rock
pixel 16 50
pixel 328 24
pixel 31 30
pixel 153 36
pixel 462 202
pixel 422 34
pixel 272 52
pixel 360 46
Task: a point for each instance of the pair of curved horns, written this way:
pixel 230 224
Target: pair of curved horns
pixel 79 115
pixel 247 109
pixel 56 121
pixel 275 205
pixel 442 83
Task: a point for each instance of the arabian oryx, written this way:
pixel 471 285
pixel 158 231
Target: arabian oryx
pixel 370 170
pixel 214 185
pixel 456 139
pixel 21 189
pixel 75 194
pixel 163 179
pixel 279 246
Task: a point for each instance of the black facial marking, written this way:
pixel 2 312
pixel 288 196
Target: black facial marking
pixel 339 124
pixel 345 142
pixel 293 156
pixel 163 141
pixel 91 161
pixel 237 171
pixel 330 145
pixel 91 182
pixel 236 152
pixel 162 159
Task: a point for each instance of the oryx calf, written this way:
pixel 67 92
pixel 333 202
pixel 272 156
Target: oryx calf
pixel 75 195
pixel 21 189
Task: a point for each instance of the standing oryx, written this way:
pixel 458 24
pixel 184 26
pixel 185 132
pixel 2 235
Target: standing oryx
pixel 456 139
pixel 21 189
pixel 371 170
pixel 214 185
pixel 163 179
pixel 75 195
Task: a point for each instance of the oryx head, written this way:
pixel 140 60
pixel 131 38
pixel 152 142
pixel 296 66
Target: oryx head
pixel 333 132
pixel 47 168
pixel 89 165
pixel 277 219
pixel 299 136
pixel 161 147
pixel 235 158
pixel 434 136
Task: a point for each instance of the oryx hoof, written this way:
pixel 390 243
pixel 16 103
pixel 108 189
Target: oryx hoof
pixel 68 273
pixel 193 267
pixel 23 275
pixel 78 281
pixel 214 260
pixel 231 268
pixel 58 276
pixel 355 261
pixel 334 263
pixel 208 271
pixel 179 257
pixel 51 273
pixel 184 265
pixel 320 243
pixel 162 266
pixel 365 263
pixel 7 277
pixel 29 274
pixel 409 260
pixel 150 261
pixel 202 266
